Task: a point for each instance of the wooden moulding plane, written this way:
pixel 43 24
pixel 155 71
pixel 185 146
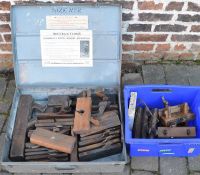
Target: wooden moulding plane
pixel 82 115
pixel 24 110
pixel 66 129
pixel 52 140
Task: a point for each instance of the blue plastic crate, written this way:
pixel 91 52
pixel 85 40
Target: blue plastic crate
pixel 151 95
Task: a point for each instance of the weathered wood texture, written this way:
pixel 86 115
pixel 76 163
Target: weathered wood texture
pixel 108 120
pixel 74 154
pixel 19 135
pixel 103 151
pixel 82 115
pixel 51 139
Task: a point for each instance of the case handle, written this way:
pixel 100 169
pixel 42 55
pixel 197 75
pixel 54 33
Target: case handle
pixel 69 167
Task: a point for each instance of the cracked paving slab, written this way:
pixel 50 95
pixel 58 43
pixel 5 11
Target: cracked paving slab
pixel 144 163
pixel 173 165
pixel 194 163
pixel 153 74
pixel 132 79
pixel 176 74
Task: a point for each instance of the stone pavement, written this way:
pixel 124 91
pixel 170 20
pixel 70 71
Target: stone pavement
pixel 150 74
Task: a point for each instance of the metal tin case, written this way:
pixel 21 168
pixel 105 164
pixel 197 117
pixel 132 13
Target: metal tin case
pixel 32 78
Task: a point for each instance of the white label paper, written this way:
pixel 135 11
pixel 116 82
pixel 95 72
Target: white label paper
pixel 67 22
pixel 131 109
pixel 66 48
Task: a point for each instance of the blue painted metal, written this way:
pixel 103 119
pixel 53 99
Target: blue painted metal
pixel 151 95
pixel 32 78
pixel 27 21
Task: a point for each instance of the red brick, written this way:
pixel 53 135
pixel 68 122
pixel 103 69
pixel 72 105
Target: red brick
pixel 174 6
pixel 139 27
pixel 149 37
pixel 6 64
pixel 5 47
pixel 188 18
pixel 143 47
pixel 147 56
pixel 127 16
pixel 5 5
pixel 163 47
pixel 193 7
pixel 179 47
pixel 186 56
pixel 170 28
pixel 171 56
pixel 7 37
pixel 6 56
pixel 4 28
pixel 187 38
pixel 126 37
pixel 127 56
pixel 179 56
pixel 4 17
pixel 138 47
pixel 149 5
pixel 154 17
pixel 195 47
pixel 195 28
pixel 127 5
pixel 151 61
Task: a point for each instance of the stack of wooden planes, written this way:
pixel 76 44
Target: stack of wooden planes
pixel 67 128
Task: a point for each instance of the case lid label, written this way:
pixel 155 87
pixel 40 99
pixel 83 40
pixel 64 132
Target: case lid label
pixel 67 22
pixel 66 48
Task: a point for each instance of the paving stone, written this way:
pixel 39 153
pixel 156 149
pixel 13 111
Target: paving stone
pixel 144 163
pixel 5 126
pixel 4 106
pixel 127 171
pixel 2 136
pixel 124 173
pixel 195 173
pixel 153 74
pixel 10 91
pixel 5 173
pixel 176 74
pixel 55 174
pixel 2 121
pixel 3 84
pixel 87 174
pixel 173 165
pixel 194 163
pixel 26 174
pixel 142 173
pixel 9 94
pixel 194 75
pixel 132 79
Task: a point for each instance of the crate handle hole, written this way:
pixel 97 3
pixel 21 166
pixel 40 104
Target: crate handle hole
pixel 161 90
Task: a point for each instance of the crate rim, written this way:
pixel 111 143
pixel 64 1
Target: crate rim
pixel 127 88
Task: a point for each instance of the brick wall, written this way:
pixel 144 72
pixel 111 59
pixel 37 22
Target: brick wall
pixel 161 30
pixel 5 36
pixel 152 30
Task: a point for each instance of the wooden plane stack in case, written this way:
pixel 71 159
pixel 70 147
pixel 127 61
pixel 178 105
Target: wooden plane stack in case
pixel 67 128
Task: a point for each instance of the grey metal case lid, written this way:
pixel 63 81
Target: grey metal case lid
pixel 103 20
